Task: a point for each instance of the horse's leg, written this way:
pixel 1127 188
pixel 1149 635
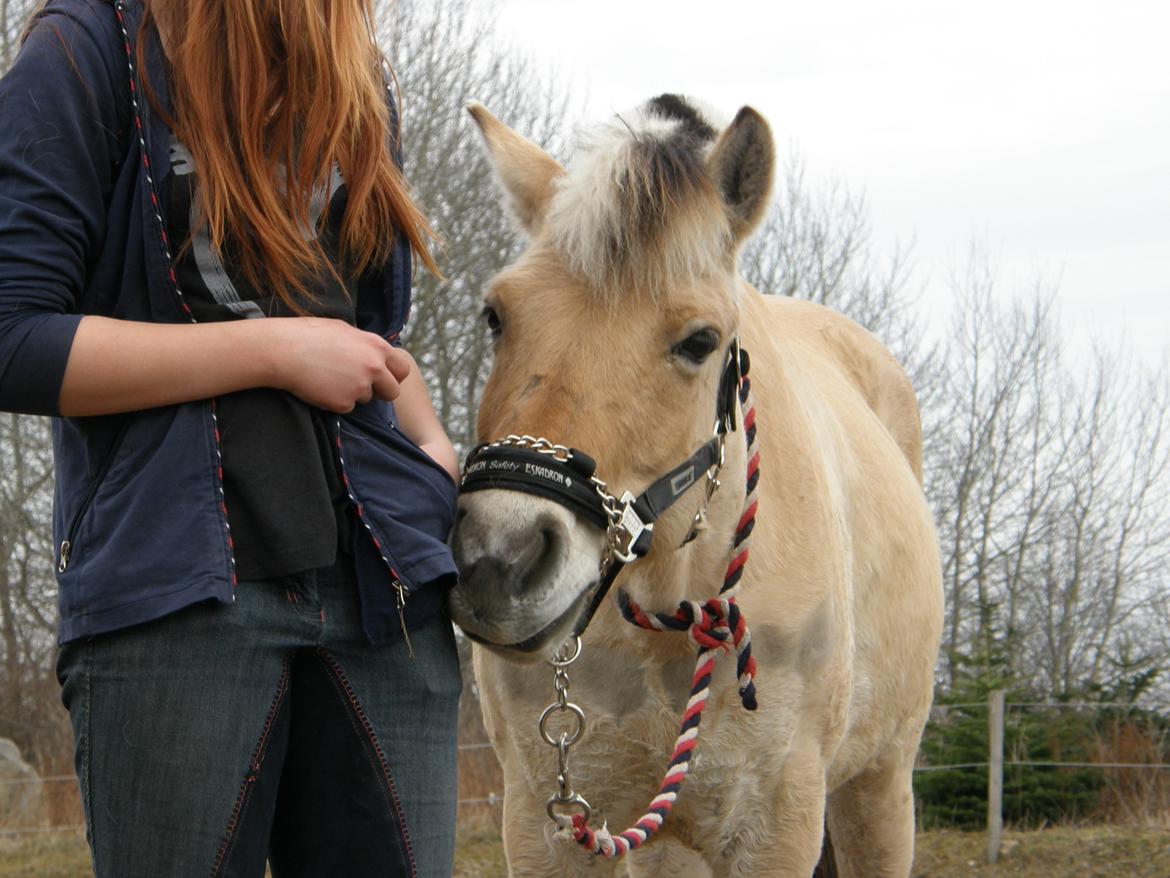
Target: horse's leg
pixel 531 848
pixel 784 842
pixel 667 856
pixel 871 819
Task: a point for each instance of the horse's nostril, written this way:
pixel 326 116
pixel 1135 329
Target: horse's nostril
pixel 534 563
pixel 529 549
pixel 505 559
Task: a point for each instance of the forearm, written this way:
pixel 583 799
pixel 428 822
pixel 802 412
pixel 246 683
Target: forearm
pixel 417 419
pixel 119 365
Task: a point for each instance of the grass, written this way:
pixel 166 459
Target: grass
pixel 55 855
pixel 65 855
pixel 478 854
pixel 1084 852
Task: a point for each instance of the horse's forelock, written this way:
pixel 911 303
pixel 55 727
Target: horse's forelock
pixel 638 209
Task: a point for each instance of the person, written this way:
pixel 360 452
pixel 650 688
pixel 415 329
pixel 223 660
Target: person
pixel 206 248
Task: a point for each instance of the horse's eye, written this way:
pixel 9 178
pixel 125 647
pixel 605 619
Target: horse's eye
pixel 697 346
pixel 492 319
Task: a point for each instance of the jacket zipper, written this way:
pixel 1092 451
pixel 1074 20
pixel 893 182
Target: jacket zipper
pixel 400 600
pixel 395 581
pixel 65 553
pixel 143 130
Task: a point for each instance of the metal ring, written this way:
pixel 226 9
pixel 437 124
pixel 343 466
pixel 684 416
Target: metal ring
pixel 575 800
pixel 565 737
pixel 557 661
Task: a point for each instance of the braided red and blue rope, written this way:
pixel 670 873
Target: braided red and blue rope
pixel 716 625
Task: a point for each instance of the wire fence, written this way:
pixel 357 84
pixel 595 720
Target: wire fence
pixel 494 800
pixel 491 800
pixel 34 830
pixel 997 712
pixel 1126 706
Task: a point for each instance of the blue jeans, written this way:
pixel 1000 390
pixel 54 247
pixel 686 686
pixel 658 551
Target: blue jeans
pixel 221 736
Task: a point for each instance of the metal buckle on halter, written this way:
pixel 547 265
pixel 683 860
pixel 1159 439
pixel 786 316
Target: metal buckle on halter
pixel 699 522
pixel 629 530
pixel 729 384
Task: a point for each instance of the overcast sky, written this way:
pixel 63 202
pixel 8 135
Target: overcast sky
pixel 1040 129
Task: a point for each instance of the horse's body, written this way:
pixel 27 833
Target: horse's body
pixel 842 590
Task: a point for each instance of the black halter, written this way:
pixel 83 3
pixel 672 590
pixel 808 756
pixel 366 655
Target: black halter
pixel 567 476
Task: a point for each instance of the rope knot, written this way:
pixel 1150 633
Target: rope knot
pixel 716 624
pixel 709 628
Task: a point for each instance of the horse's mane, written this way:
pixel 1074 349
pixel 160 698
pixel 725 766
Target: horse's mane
pixel 638 210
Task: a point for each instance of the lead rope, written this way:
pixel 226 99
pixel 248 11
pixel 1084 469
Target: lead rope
pixel 715 626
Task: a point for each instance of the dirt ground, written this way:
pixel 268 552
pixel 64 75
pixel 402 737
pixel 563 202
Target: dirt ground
pixel 1084 852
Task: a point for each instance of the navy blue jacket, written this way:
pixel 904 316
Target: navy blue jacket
pixel 138 515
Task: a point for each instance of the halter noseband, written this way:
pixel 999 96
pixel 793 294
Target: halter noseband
pixel 568 476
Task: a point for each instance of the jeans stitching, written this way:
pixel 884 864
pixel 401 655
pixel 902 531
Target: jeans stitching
pixel 86 773
pixel 258 754
pixel 359 714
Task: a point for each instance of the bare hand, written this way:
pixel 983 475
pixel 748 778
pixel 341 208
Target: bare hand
pixel 330 364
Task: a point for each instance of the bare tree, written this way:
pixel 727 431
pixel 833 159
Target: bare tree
pixel 1049 477
pixel 1108 540
pixel 996 364
pixel 28 596
pixel 816 244
pixel 29 712
pixel 445 53
pixel 13 15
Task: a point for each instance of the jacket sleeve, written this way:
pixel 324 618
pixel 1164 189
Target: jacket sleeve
pixel 59 124
pixel 399 271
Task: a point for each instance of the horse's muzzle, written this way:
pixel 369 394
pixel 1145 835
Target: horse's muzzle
pixel 525 567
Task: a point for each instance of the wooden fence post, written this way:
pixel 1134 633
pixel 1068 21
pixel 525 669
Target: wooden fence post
pixel 995 701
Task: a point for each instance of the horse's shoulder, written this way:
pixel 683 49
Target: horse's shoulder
pixel 862 359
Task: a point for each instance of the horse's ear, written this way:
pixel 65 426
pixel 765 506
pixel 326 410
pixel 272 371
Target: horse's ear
pixel 526 172
pixel 741 165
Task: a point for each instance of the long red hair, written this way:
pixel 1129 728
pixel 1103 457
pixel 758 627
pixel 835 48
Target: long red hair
pixel 268 94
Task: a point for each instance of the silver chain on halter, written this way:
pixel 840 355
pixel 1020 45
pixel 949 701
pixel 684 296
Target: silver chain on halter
pixel 623 527
pixel 621 533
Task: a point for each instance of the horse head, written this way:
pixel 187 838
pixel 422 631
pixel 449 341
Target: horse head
pixel 611 333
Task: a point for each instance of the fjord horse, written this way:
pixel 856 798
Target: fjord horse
pixel 611 334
